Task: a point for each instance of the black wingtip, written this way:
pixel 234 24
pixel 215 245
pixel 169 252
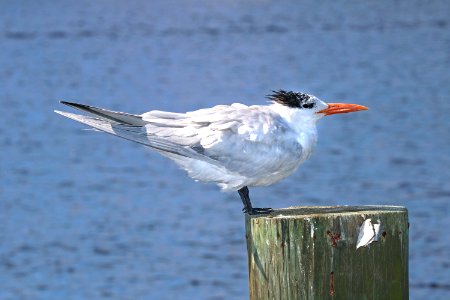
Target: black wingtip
pixel 73 104
pixel 66 102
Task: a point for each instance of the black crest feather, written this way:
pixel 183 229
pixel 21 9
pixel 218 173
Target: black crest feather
pixel 290 99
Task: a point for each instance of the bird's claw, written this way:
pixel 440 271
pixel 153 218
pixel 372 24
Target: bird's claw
pixel 258 210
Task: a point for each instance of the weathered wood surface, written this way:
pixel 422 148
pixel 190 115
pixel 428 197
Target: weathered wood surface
pixel 311 253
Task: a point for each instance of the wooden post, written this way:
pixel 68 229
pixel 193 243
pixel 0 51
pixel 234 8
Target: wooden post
pixel 311 253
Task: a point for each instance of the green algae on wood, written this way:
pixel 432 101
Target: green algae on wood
pixel 311 253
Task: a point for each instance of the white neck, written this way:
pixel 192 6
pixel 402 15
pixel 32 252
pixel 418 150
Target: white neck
pixel 303 122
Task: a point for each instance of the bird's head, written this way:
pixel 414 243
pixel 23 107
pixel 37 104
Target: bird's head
pixel 311 105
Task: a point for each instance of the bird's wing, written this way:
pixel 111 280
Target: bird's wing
pixel 102 113
pixel 192 129
pixel 244 140
pixel 136 134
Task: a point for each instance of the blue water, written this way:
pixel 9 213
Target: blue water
pixel 84 215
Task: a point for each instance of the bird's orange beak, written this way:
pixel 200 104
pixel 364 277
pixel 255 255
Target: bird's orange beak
pixel 341 108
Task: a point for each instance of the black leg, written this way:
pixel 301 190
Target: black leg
pixel 245 197
pixel 244 193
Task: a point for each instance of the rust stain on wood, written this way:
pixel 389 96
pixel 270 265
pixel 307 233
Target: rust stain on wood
pixel 332 284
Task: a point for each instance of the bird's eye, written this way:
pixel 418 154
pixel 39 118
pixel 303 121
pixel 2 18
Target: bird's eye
pixel 308 105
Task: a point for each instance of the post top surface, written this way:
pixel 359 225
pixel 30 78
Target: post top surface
pixel 309 211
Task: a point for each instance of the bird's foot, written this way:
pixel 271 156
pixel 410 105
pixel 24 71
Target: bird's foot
pixel 258 210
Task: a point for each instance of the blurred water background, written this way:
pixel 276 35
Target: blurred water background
pixel 84 215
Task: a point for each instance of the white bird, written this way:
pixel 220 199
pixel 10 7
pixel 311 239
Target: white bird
pixel 234 146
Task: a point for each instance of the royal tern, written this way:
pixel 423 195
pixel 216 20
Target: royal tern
pixel 234 146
